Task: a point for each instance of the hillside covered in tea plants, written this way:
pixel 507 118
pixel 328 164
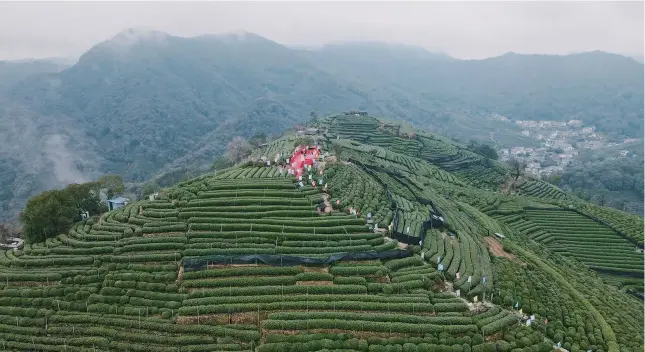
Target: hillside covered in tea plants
pixel 395 240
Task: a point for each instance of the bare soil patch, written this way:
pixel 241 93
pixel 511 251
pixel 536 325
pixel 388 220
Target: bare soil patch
pixel 223 318
pixel 356 334
pixel 314 269
pixel 328 207
pixel 494 337
pixel 32 283
pixel 201 319
pixel 496 248
pixel 400 245
pixel 221 266
pixel 380 279
pixel 251 317
pixel 314 283
pixel 165 234
pixel 239 318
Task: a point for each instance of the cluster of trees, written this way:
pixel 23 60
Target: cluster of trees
pixel 517 167
pixel 238 149
pixel 258 139
pixel 8 230
pixel 605 179
pixel 146 189
pixel 221 162
pixel 53 212
pixel 304 141
pixel 483 148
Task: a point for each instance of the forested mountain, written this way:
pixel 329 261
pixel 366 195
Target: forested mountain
pixel 146 101
pixel 12 72
pixel 611 177
pixel 599 88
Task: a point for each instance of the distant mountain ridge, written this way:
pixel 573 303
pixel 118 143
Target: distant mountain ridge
pixel 146 101
pixel 14 71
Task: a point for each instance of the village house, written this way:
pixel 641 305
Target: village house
pixel 356 113
pixel 12 243
pixel 551 169
pixel 117 202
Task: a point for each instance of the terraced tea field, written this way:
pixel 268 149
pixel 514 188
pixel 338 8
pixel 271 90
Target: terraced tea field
pixel 540 189
pixel 177 267
pixel 594 244
pixel 385 251
pixel 446 154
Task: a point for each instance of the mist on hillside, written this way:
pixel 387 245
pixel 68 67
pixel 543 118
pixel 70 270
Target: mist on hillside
pixel 164 88
pixel 461 30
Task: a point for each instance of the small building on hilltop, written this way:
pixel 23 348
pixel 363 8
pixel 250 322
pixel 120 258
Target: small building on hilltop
pixel 307 132
pixel 356 113
pixel 117 202
pixel 12 243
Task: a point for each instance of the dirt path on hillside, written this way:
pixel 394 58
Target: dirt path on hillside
pixel 400 245
pixel 331 159
pixel 164 234
pixel 328 208
pixel 496 248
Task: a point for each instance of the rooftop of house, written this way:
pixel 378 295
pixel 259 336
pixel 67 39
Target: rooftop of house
pixel 118 200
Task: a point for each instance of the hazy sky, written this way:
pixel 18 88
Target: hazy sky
pixel 461 29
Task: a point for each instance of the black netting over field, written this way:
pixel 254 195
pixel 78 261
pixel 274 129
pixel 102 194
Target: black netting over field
pixel 429 202
pixel 194 264
pixel 432 223
pixel 435 219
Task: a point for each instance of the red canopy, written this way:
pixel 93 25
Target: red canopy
pixel 304 156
